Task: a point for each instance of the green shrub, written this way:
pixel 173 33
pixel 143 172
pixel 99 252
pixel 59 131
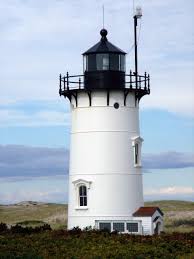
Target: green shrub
pixel 183 222
pixel 3 227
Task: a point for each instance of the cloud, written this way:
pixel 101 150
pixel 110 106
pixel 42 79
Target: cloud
pixel 32 161
pixel 168 160
pixel 25 161
pixel 170 192
pixel 40 39
pixel 34 113
pixel 57 195
pixel 14 118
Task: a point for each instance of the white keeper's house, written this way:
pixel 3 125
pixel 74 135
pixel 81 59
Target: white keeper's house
pixel 105 173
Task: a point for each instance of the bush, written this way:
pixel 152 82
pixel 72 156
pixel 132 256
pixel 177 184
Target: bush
pixel 29 230
pixel 3 227
pixel 75 231
pixel 183 222
pixel 76 243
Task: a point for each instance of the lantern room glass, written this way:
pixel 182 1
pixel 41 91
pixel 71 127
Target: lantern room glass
pixel 104 62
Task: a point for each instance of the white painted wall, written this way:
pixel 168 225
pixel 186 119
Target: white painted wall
pixel 160 219
pixel 148 225
pixel 101 152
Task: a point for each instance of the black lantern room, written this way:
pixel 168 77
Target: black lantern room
pixel 104 65
pixel 104 69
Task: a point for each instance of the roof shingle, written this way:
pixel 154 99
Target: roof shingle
pixel 147 211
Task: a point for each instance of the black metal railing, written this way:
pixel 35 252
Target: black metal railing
pixel 68 83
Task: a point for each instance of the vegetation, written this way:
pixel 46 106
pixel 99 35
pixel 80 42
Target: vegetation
pixel 34 214
pixel 20 242
pixel 27 234
pixel 178 215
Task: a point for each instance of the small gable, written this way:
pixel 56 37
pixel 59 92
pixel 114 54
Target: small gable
pixel 147 212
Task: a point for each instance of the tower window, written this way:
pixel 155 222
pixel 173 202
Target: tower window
pixel 90 62
pixel 116 105
pixel 137 143
pixel 102 61
pixel 82 196
pixel 122 62
pixel 136 153
pixel 114 62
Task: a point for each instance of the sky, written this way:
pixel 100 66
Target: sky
pixel 40 40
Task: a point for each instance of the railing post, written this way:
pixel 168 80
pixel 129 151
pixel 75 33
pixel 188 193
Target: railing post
pixel 79 83
pixel 139 78
pixel 64 83
pixel 145 80
pixel 131 79
pixel 60 90
pixel 67 81
pixel 148 82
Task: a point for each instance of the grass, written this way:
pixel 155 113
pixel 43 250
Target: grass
pixel 172 205
pixel 34 214
pixel 31 223
pixel 178 215
pixel 58 243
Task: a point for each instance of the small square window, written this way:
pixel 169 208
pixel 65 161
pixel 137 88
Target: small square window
pixel 105 226
pixel 132 227
pixel 119 226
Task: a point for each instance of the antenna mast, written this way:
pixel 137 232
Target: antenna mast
pixel 103 16
pixel 137 15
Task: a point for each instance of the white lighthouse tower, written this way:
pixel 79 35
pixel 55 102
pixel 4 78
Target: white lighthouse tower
pixel 105 176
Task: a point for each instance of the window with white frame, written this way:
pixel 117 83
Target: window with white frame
pixel 105 226
pixel 136 153
pixel 82 196
pixel 119 226
pixel 137 143
pixel 132 227
pixel 81 193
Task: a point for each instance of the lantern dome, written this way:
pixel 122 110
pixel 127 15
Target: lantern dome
pixel 104 46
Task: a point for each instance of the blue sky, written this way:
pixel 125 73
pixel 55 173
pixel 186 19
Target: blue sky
pixel 40 39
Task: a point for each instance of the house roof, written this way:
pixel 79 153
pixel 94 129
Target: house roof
pixel 147 212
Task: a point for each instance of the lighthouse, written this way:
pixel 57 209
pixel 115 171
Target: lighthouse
pixel 105 168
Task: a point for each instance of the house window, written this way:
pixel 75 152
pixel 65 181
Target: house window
pixel 105 226
pixel 82 196
pixel 119 226
pixel 132 227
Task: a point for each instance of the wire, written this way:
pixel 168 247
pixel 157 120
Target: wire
pixel 131 48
